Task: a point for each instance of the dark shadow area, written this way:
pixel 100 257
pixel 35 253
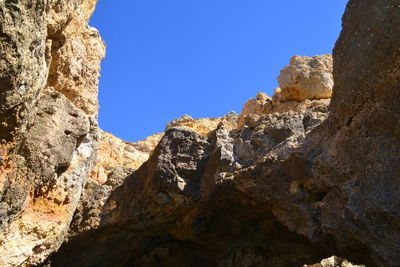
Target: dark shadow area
pixel 231 230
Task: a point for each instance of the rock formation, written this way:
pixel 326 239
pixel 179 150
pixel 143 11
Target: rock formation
pixel 334 262
pixel 293 179
pixel 49 66
pixel 306 78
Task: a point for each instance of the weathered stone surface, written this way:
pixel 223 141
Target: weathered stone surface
pixel 306 86
pixel 48 138
pixel 113 153
pixel 290 181
pixel 262 104
pixel 22 63
pixel 76 50
pixel 158 210
pixel 361 137
pixel 334 262
pixel 58 150
pixel 115 161
pixel 307 78
pixel 308 181
pixel 259 106
pixel 205 125
pixel 188 177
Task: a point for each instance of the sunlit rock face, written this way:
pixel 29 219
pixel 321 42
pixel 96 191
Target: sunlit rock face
pixel 305 86
pixel 334 262
pixel 307 78
pixel 295 178
pixel 49 69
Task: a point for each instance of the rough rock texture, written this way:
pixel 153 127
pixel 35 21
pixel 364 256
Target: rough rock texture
pixel 185 196
pixel 307 78
pixel 279 190
pixel 48 135
pixel 114 153
pixel 263 104
pixel 205 125
pixel 305 83
pixel 292 180
pixel 115 161
pixel 360 146
pixel 181 198
pixel 334 262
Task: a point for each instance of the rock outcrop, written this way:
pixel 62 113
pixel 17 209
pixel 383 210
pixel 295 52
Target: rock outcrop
pixel 205 125
pixel 306 78
pixel 115 161
pixel 334 262
pixel 263 104
pixel 305 83
pixel 293 179
pixel 49 66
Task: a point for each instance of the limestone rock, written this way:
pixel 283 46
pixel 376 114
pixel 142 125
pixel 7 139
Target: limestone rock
pixel 257 107
pixel 115 161
pixel 307 78
pixel 360 140
pixel 48 137
pixel 262 104
pixel 183 195
pixel 290 186
pixel 75 51
pixel 306 83
pixel 202 126
pixel 113 152
pixel 300 179
pixel 334 262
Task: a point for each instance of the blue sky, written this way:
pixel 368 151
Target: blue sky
pixel 203 58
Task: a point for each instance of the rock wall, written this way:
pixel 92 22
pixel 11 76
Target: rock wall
pixel 49 67
pixel 360 140
pixel 293 179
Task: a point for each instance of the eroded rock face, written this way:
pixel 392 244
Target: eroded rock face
pixel 115 161
pixel 305 83
pixel 361 156
pixel 48 135
pixel 292 180
pixel 307 78
pixel 113 153
pixel 334 262
pixel 184 190
pixel 269 105
pixel 205 125
pixel 308 173
pixel 182 198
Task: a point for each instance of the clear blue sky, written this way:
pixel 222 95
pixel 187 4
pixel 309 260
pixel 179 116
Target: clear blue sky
pixel 167 58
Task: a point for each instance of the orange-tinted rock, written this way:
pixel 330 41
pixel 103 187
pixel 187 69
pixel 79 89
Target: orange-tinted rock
pixel 307 78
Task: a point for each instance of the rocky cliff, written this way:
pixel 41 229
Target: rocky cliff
pixel 297 177
pixel 49 68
